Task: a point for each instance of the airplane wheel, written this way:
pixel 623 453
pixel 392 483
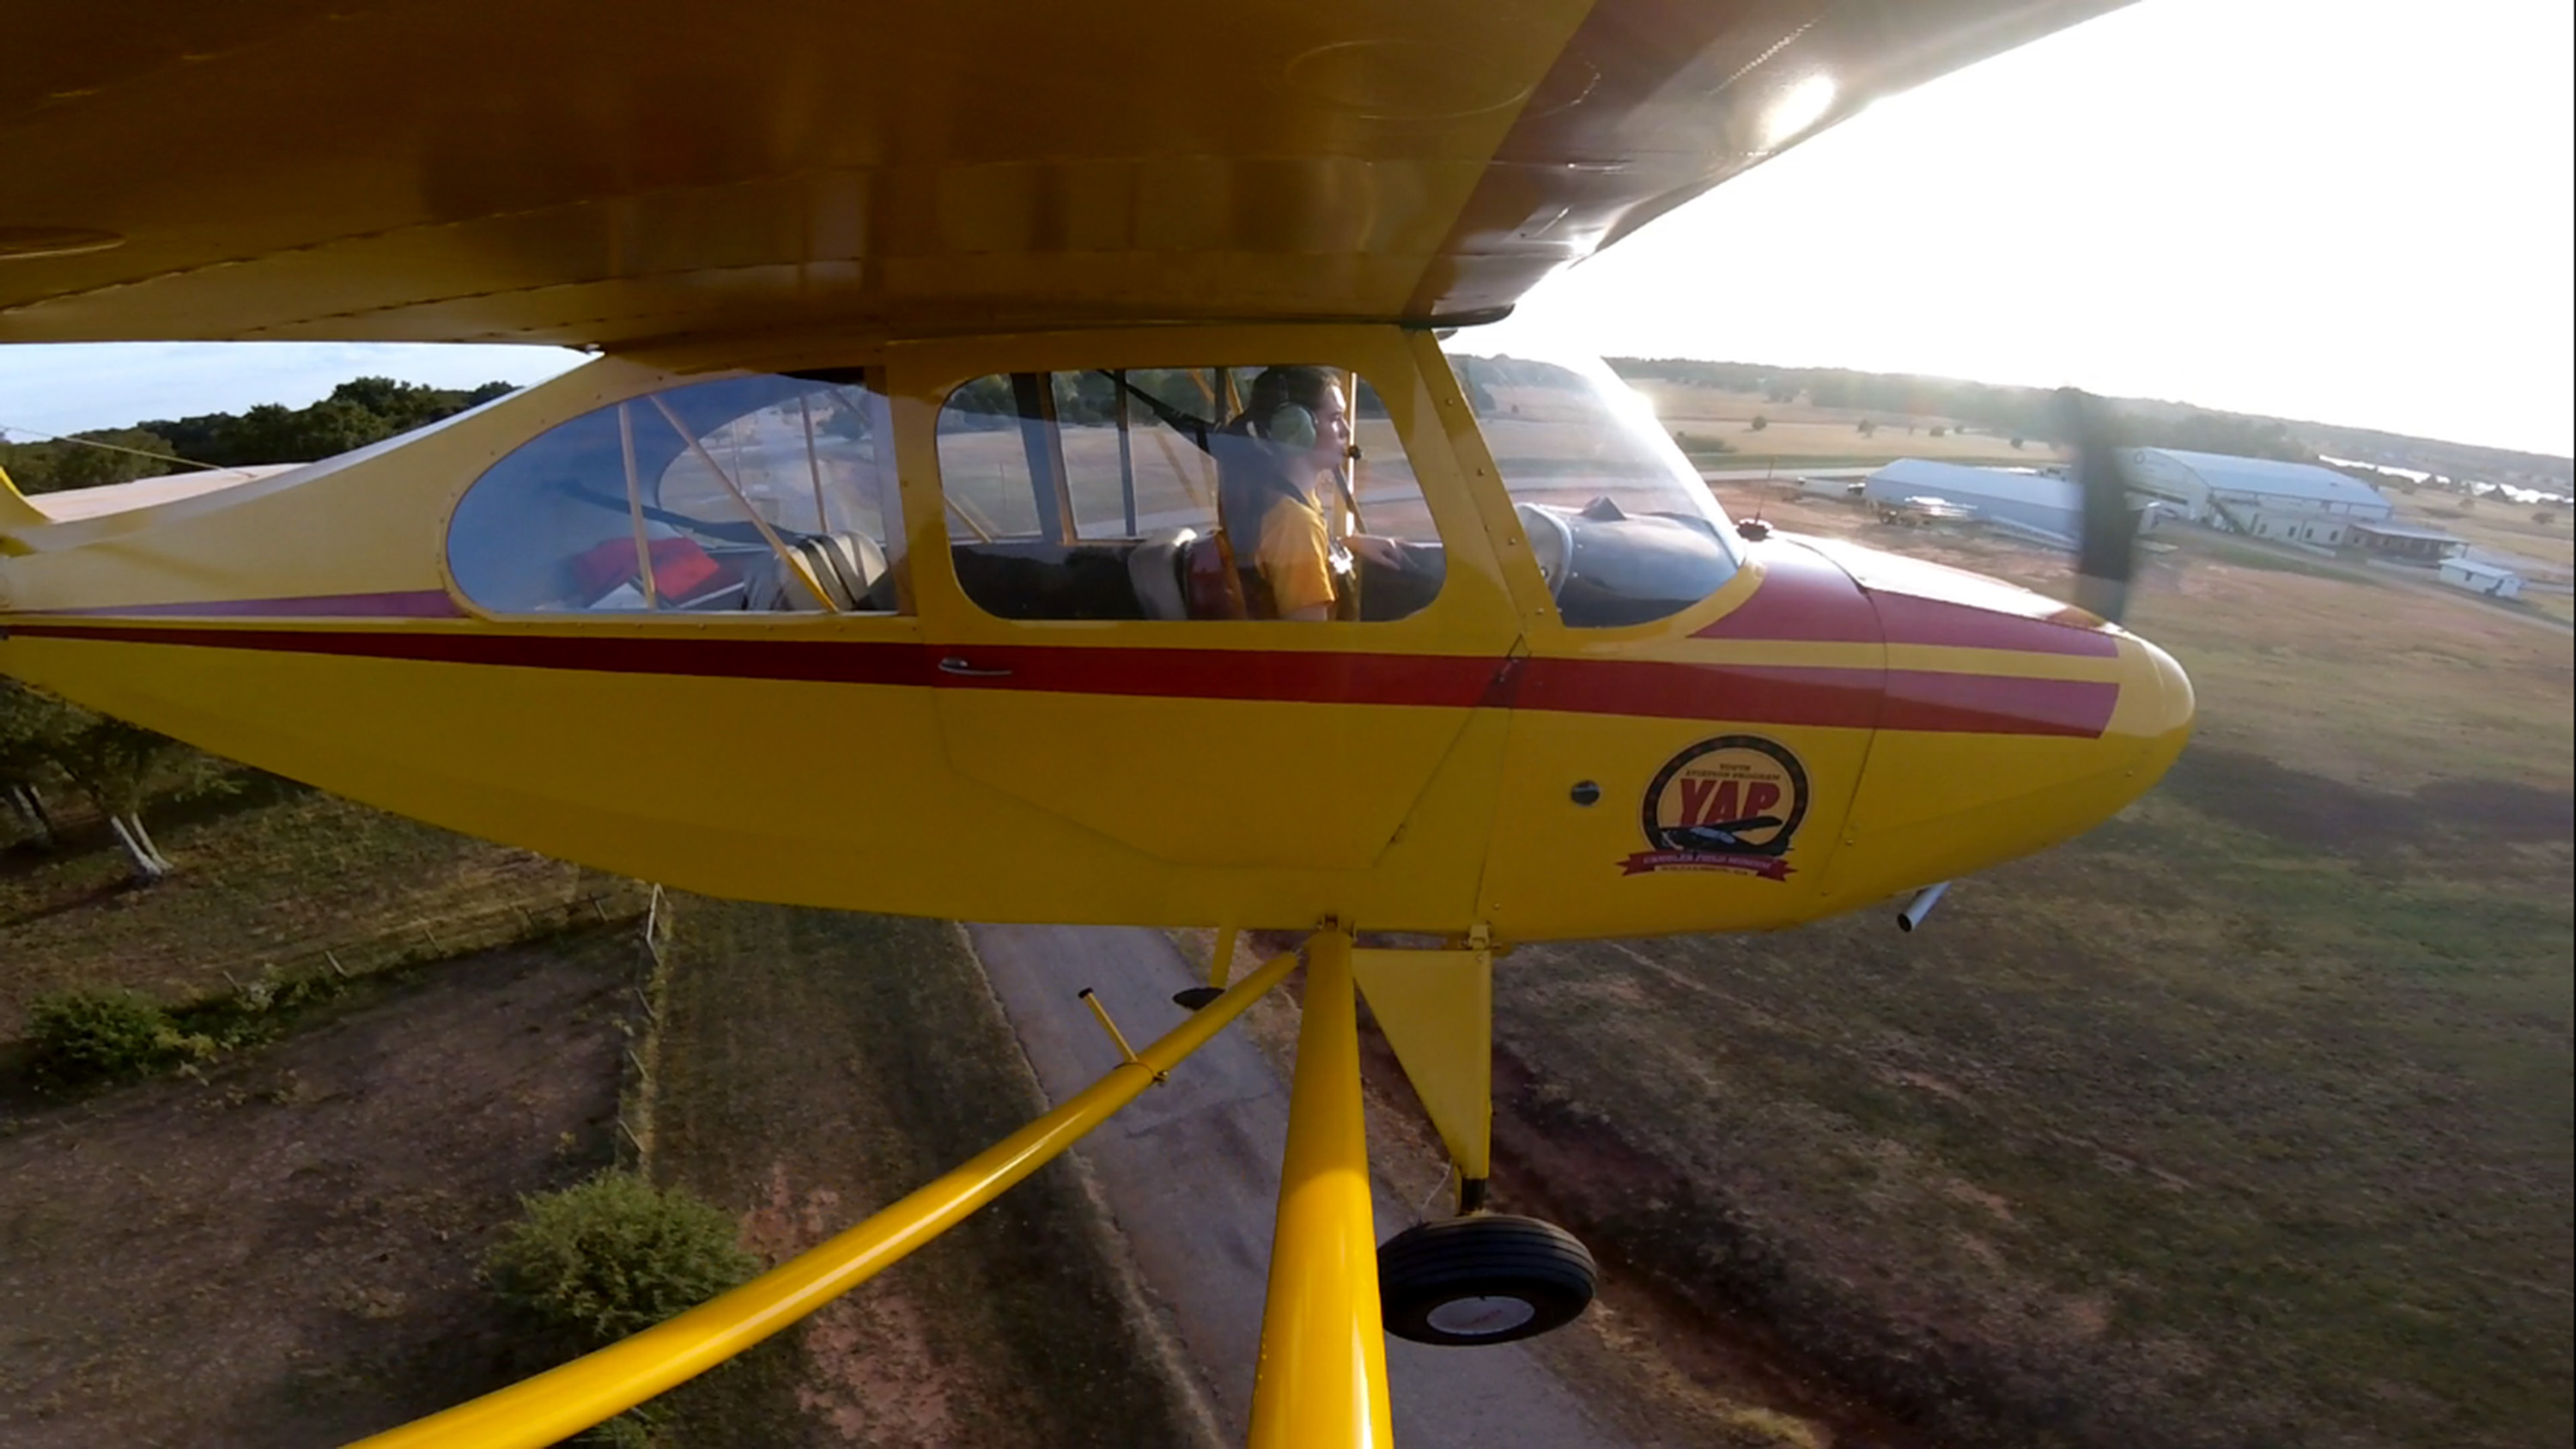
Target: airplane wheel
pixel 1486 1278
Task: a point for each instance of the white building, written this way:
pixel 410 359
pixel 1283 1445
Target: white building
pixel 2318 530
pixel 2032 502
pixel 2481 578
pixel 2215 488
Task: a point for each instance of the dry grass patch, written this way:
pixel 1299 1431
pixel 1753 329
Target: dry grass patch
pixel 817 1065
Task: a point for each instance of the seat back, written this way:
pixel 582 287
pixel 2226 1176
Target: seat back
pixel 1155 568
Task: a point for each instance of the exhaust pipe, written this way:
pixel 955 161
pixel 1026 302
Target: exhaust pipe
pixel 1921 906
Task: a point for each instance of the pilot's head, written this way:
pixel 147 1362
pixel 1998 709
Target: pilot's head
pixel 1301 411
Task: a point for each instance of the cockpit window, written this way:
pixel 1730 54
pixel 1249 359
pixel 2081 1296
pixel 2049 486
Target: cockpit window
pixel 1624 529
pixel 746 495
pixel 1276 492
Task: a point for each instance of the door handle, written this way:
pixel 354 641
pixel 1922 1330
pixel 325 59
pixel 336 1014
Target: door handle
pixel 957 664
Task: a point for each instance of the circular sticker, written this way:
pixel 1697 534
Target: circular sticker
pixel 1731 803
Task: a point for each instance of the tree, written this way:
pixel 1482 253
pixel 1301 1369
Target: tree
pixel 112 763
pixel 1868 428
pixel 360 411
pixel 31 724
pixel 119 455
pixel 1760 422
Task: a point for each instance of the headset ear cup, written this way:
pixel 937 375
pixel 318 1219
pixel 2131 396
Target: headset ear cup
pixel 1292 428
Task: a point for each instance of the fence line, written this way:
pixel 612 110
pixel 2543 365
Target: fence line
pixel 641 1073
pixel 457 934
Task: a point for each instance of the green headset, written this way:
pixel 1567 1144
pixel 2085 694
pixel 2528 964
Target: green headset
pixel 1290 426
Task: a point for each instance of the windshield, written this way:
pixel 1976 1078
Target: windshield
pixel 1623 527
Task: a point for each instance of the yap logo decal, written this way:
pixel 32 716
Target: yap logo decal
pixel 1730 804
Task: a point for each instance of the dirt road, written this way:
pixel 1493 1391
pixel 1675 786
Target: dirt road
pixel 1192 1173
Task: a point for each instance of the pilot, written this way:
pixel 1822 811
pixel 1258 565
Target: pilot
pixel 1277 464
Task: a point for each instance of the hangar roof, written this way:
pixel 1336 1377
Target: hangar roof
pixel 2038 489
pixel 2399 530
pixel 2266 475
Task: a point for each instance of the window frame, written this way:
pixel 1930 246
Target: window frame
pixel 1546 625
pixel 1474 601
pixel 635 386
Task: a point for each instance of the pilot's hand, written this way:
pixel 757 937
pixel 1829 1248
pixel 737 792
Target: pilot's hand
pixel 1384 552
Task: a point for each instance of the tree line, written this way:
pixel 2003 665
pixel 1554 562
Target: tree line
pixel 358 412
pixel 2022 412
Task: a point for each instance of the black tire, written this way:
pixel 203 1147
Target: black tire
pixel 1487 1278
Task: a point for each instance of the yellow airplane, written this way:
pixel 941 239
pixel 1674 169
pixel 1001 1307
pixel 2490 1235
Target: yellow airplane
pixel 1044 465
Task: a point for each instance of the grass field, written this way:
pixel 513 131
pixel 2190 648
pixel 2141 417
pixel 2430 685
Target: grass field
pixel 267 876
pixel 2245 1120
pixel 816 1065
pixel 1800 434
pixel 2493 523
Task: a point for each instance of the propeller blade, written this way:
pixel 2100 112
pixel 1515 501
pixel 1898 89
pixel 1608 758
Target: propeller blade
pixel 2108 553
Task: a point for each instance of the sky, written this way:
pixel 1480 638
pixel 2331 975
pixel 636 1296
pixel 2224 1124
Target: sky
pixel 2349 211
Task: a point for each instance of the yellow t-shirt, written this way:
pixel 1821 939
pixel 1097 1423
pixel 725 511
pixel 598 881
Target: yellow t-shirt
pixel 1295 557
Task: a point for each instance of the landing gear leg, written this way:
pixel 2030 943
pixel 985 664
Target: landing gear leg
pixel 1220 969
pixel 1479 1277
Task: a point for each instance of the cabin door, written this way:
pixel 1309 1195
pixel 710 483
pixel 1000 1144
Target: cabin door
pixel 1082 668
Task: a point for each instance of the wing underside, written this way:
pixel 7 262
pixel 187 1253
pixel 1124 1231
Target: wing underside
pixel 573 171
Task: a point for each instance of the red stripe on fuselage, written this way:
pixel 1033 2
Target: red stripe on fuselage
pixel 1718 693
pixel 1786 695
pixel 2003 704
pixel 1914 619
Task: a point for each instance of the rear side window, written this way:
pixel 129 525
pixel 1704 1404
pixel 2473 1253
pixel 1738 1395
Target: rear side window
pixel 746 496
pixel 1271 492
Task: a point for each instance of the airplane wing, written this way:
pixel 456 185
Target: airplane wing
pixel 620 172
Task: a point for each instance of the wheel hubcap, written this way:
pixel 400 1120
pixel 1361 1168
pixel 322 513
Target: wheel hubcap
pixel 1479 1317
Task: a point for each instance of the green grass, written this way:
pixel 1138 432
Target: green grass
pixel 2281 559
pixel 268 878
pixel 2181 1134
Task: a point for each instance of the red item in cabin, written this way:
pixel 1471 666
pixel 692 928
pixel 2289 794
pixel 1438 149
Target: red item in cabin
pixel 681 569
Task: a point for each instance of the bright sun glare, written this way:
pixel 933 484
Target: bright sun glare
pixel 1800 106
pixel 2308 208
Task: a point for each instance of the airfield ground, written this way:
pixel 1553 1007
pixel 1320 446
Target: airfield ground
pixel 813 1067
pixel 281 1251
pixel 279 1248
pixel 1716 428
pixel 2245 1120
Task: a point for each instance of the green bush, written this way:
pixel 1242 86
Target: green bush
pixel 89 1036
pixel 615 1255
